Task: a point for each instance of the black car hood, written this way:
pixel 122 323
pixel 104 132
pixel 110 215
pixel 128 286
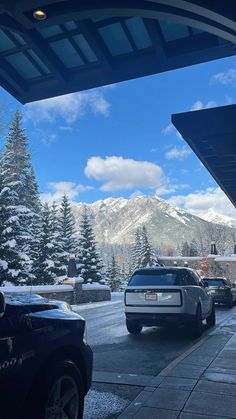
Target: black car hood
pixel 35 304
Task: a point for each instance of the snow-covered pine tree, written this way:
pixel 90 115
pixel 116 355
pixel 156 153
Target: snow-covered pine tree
pixel 185 249
pixel 17 235
pixel 125 276
pixel 44 264
pixel 114 275
pixel 193 248
pixel 58 255
pixel 67 230
pixel 88 262
pixel 3 202
pixel 32 201
pixel 136 250
pixel 148 257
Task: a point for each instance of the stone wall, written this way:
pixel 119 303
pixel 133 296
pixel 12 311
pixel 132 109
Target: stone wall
pixel 89 296
pixel 67 296
pixel 72 291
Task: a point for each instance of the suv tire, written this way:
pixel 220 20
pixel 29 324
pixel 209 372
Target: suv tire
pixel 197 323
pixel 211 320
pixel 133 327
pixel 59 389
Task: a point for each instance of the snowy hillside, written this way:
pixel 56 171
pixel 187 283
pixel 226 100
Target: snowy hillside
pixel 214 217
pixel 116 219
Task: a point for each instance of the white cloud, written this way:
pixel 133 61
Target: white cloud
pixel 68 107
pixel 228 100
pixel 58 189
pixel 178 153
pixel 168 129
pixel 170 188
pixel 65 128
pixel 118 173
pixel 164 190
pixel 198 105
pixel 225 77
pixel 201 201
pixel 136 194
pixel 49 139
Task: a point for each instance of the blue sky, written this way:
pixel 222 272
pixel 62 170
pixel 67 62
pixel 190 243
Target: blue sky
pixel 118 140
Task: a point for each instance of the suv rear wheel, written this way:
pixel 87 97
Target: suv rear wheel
pixel 197 323
pixel 211 320
pixel 133 327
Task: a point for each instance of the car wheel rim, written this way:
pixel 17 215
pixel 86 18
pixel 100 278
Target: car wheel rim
pixel 63 401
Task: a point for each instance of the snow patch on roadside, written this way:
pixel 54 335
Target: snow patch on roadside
pixel 99 405
pixel 78 308
pixel 95 286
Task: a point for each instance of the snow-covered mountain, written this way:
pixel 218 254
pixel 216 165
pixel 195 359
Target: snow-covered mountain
pixel 116 219
pixel 214 217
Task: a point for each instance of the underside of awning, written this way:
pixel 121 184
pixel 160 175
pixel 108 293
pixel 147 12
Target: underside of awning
pixel 82 44
pixel 211 133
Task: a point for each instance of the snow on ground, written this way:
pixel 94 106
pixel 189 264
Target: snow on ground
pixel 100 405
pixel 36 288
pixel 78 308
pixel 116 298
pixel 95 286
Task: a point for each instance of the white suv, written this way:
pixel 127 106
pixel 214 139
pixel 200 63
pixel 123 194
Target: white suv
pixel 162 296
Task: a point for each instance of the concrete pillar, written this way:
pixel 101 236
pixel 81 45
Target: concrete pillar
pixel 213 248
pixel 71 271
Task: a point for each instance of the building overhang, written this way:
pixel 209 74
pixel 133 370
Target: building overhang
pixel 211 133
pixel 90 43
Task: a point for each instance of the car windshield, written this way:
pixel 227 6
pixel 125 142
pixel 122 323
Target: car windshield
pixel 215 281
pixel 156 278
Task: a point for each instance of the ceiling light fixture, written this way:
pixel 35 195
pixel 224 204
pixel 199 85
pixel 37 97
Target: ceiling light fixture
pixel 39 15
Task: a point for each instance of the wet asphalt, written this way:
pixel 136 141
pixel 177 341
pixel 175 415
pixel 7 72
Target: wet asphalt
pixel 116 351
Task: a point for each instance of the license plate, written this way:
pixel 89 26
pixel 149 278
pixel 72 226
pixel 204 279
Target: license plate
pixel 150 296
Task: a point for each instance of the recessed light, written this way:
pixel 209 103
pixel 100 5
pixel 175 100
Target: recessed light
pixel 39 15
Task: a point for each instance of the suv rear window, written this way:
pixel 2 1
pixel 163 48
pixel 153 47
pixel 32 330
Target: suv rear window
pixel 169 278
pixel 215 282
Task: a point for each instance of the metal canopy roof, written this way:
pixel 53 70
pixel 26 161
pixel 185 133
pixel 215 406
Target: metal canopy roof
pixel 211 133
pixel 87 43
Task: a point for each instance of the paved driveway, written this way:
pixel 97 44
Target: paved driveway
pixel 130 358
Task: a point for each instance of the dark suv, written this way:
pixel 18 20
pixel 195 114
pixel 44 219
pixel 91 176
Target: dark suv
pixel 222 290
pixel 45 362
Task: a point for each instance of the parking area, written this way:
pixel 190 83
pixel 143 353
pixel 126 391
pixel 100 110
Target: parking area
pixel 125 364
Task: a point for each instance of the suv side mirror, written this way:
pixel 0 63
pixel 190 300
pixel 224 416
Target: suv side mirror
pixel 205 284
pixel 2 305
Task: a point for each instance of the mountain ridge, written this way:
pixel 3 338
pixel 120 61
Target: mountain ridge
pixel 115 220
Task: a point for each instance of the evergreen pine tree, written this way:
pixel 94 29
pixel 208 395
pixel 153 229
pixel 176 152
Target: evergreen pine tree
pixel 193 248
pixel 67 230
pixel 3 218
pixel 32 201
pixel 44 264
pixel 136 250
pixel 125 275
pixel 147 253
pixel 16 232
pixel 58 255
pixel 185 249
pixel 114 276
pixel 89 265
